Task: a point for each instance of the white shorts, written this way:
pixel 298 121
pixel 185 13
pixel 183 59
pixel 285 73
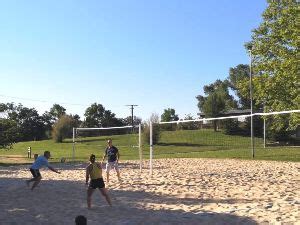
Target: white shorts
pixel 112 165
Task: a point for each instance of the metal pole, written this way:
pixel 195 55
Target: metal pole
pixel 132 116
pixel 151 149
pixel 73 154
pixel 251 103
pixel 264 132
pixel 140 147
pixel 265 142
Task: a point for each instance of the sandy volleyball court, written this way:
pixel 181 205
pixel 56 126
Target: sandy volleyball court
pixel 181 191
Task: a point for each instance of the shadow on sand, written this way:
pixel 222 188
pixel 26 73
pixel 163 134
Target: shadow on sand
pixel 60 201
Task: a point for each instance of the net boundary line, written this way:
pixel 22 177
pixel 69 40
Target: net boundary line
pixel 232 117
pixel 105 128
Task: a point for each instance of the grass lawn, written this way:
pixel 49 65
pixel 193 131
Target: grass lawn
pixel 172 144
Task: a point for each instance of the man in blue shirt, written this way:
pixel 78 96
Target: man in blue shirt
pixel 113 156
pixel 41 161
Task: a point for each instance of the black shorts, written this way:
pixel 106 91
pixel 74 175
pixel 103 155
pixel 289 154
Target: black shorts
pixel 97 183
pixel 35 173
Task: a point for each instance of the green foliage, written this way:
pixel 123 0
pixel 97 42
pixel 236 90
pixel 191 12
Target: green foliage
pixel 155 133
pixel 29 124
pixel 48 122
pixel 240 74
pixel 167 116
pixel 136 120
pixel 231 126
pixel 8 133
pixel 97 116
pixel 189 125
pixel 217 101
pixel 154 119
pixel 214 105
pixel 57 111
pixel 76 120
pixel 282 132
pixel 275 50
pixel 63 128
pixel 49 118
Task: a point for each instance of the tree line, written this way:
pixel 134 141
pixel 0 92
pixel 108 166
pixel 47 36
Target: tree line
pixel 20 123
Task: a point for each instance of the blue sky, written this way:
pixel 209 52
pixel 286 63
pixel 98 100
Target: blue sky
pixel 157 54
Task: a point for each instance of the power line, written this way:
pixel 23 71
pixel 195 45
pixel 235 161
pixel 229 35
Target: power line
pixel 61 103
pixel 43 101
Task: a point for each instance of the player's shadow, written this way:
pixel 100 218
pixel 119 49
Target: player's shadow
pixel 150 198
pixel 60 201
pixel 122 165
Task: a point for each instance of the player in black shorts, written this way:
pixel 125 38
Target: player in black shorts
pixel 94 171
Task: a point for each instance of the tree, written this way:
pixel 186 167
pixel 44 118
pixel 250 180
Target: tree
pixel 56 111
pixel 51 116
pixel 76 120
pixel 136 120
pixel 29 124
pixel 62 128
pixel 8 133
pixel 217 101
pixel 169 115
pixel 94 115
pixel 97 116
pixel 48 121
pixel 109 120
pixel 240 74
pixel 9 110
pixel 275 48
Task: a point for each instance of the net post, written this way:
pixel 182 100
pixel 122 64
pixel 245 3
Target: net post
pixel 264 132
pixel 140 147
pixel 151 149
pixel 73 153
pixel 251 106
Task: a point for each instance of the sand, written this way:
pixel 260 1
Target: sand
pixel 180 191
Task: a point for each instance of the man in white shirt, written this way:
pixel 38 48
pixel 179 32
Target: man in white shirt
pixel 41 161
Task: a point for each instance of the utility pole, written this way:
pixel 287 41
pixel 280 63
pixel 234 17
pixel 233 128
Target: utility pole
pixel 132 107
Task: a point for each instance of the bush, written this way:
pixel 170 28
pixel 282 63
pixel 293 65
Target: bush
pixel 155 133
pixel 62 128
pixel 231 126
pixel 168 127
pixel 154 119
